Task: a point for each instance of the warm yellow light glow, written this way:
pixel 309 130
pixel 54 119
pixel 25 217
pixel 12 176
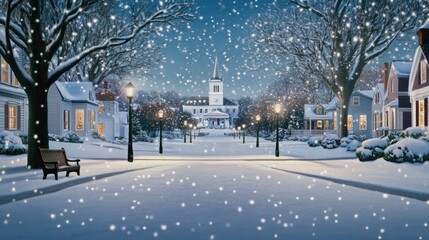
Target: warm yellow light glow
pixel 277 108
pixel 185 123
pixel 244 126
pixel 258 118
pixel 190 125
pixel 130 90
pixel 161 114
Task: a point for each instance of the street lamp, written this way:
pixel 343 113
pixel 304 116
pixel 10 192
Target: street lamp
pixel 239 128
pixel 185 125
pixel 129 92
pixel 244 133
pixel 257 118
pixel 277 109
pixel 190 133
pixel 160 116
pixel 233 133
pixel 195 130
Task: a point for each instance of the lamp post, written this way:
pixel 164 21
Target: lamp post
pixel 244 133
pixel 160 116
pixel 129 92
pixel 257 118
pixel 190 133
pixel 239 132
pixel 277 109
pixel 185 125
pixel 195 130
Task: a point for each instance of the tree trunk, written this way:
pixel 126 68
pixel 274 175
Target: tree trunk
pixel 37 126
pixel 344 111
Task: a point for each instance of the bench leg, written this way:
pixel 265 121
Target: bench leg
pixel 44 175
pixel 78 172
pixel 56 176
pixel 67 174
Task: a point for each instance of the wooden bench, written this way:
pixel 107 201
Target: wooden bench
pixel 55 160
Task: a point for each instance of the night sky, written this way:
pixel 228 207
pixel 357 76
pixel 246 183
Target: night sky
pixel 222 28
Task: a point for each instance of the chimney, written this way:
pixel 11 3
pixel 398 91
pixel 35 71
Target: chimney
pixel 106 86
pixel 385 72
pixel 423 34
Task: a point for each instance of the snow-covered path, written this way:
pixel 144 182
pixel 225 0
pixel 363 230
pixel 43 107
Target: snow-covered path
pixel 214 200
pixel 215 188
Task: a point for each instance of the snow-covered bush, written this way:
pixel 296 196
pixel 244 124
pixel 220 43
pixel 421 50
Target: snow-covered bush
pixel 303 138
pixel 330 141
pixel 122 141
pixel 69 136
pixel 11 144
pixel 24 137
pixel 414 132
pixel 293 138
pixel 283 135
pixel 362 138
pixel 142 136
pixel 345 141
pixel 407 150
pixel 314 141
pixel 371 149
pixel 354 145
pixel 173 135
pixel 394 137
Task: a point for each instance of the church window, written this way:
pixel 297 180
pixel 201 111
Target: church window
pixel 227 110
pixel 195 110
pixel 216 88
pixel 201 110
pixel 206 110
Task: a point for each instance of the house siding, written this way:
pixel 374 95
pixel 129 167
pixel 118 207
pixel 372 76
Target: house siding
pixel 54 108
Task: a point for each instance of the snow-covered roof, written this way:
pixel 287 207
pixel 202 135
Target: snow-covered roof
pixel 77 91
pixel 402 68
pixel 393 103
pixel 8 89
pixel 380 88
pixel 333 104
pixel 216 114
pixel 366 93
pixel 425 25
pixel 310 112
pixel 415 65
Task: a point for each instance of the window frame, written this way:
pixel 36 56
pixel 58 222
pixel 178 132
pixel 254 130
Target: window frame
pixel 423 72
pixel 79 111
pixel 358 101
pixel 363 123
pixel 13 119
pixel 350 122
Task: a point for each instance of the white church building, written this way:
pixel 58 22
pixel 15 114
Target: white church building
pixel 214 111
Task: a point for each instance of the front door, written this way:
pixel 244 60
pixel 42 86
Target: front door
pixel 101 129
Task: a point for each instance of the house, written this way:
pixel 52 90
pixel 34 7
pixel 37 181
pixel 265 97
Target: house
pixel 397 107
pixel 13 102
pixel 319 118
pixel 108 114
pixel 214 111
pixel 327 117
pixel 72 106
pixel 418 82
pixel 377 110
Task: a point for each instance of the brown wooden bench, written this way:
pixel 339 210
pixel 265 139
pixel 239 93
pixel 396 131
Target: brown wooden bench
pixel 55 160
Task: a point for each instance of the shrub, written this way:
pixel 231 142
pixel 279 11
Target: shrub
pixel 314 141
pixel 142 136
pixel 345 141
pixel 407 150
pixel 330 141
pixel 371 149
pixel 354 145
pixel 71 137
pixel 414 132
pixel 11 144
pixel 24 137
pixel 394 137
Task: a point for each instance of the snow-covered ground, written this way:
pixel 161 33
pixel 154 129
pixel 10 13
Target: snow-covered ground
pixel 215 188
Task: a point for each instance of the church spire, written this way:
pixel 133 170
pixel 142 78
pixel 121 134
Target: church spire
pixel 216 71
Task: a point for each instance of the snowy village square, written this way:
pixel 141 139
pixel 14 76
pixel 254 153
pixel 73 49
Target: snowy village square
pixel 220 119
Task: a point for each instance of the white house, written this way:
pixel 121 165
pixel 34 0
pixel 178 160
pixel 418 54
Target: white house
pixel 418 87
pixel 72 106
pixel 108 114
pixel 214 111
pixel 13 102
pixel 377 110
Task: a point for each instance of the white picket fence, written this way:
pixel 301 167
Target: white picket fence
pixel 314 132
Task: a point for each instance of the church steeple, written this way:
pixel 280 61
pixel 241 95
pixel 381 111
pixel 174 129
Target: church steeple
pixel 216 71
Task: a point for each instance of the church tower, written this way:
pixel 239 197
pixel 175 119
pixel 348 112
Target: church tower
pixel 216 87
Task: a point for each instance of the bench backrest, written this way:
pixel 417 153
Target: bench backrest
pixel 54 155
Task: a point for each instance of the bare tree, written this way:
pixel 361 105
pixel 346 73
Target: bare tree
pixel 333 40
pixel 370 76
pixel 36 30
pixel 137 56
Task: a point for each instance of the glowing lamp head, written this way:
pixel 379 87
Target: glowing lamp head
pixel 190 125
pixel 277 108
pixel 258 118
pixel 185 123
pixel 130 90
pixel 161 114
pixel 243 126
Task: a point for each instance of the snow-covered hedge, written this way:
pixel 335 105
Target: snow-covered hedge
pixel 414 132
pixel 314 141
pixel 355 144
pixel 394 137
pixel 142 136
pixel 11 144
pixel 283 135
pixel 69 136
pixel 371 149
pixel 330 141
pixel 345 141
pixel 407 150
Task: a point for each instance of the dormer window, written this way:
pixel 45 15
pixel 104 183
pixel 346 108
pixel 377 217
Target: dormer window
pixel 355 101
pixel 423 72
pixel 319 110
